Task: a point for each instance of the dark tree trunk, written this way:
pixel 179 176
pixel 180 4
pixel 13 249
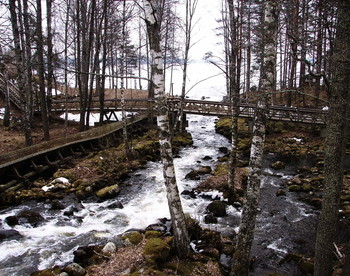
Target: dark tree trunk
pixel 334 144
pixel 241 256
pixel 41 73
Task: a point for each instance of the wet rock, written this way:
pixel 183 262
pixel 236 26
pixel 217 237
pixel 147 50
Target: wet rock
pixel 192 175
pixel 279 165
pixel 223 150
pixel 280 193
pixel 57 205
pixel 109 248
pixel 204 170
pixel 108 192
pixel 9 234
pixel 11 220
pixel 25 217
pixel 190 194
pixel 210 218
pixel 207 158
pixel 74 269
pixel 115 205
pixel 84 254
pixel 217 208
pixel 70 211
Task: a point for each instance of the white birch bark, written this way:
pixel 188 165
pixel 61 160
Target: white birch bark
pixel 174 202
pixel 241 256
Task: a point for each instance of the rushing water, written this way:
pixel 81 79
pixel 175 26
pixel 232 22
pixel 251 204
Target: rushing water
pixel 144 200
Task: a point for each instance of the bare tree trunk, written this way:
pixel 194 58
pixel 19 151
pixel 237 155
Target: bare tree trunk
pixel 41 73
pixel 174 202
pixel 241 256
pixel 234 94
pixel 49 55
pixel 3 70
pixel 334 144
pixel 190 10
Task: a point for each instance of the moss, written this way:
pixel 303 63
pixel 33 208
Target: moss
pixel 156 249
pixel 182 139
pixel 152 234
pixel 133 237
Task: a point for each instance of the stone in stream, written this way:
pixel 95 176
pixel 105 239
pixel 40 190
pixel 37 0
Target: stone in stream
pixel 25 217
pixel 9 234
pixel 217 208
pixel 108 192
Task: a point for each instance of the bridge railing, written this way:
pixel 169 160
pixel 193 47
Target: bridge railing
pixel 213 108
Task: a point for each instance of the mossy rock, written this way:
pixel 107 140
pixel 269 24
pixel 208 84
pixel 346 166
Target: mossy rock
pixel 133 237
pixel 295 188
pixel 182 139
pixel 156 249
pixel 48 272
pixel 152 234
pixel 108 192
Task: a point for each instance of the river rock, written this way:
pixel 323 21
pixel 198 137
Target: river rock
pixel 9 234
pixel 217 208
pixel 204 170
pixel 74 269
pixel 108 192
pixel 192 175
pixel 25 217
pixel 109 248
pixel 207 158
pixel 210 218
pixel 190 194
pixel 57 205
pixel 223 150
pixel 115 205
pixel 279 165
pixel 83 254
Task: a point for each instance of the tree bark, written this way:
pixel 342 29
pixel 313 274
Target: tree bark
pixel 174 201
pixel 334 144
pixel 234 94
pixel 241 256
pixel 41 73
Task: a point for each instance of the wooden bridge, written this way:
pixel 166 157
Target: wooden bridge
pixel 201 107
pixel 209 108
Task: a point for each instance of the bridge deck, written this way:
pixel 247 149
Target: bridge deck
pixel 209 108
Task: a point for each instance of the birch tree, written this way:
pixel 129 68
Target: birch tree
pixel 334 144
pixel 174 202
pixel 241 256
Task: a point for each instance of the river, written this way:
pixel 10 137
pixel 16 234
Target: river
pixel 279 225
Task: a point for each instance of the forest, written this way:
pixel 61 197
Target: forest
pixel 287 54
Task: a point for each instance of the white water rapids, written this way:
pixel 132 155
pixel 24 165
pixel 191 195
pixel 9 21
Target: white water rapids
pixel 144 200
